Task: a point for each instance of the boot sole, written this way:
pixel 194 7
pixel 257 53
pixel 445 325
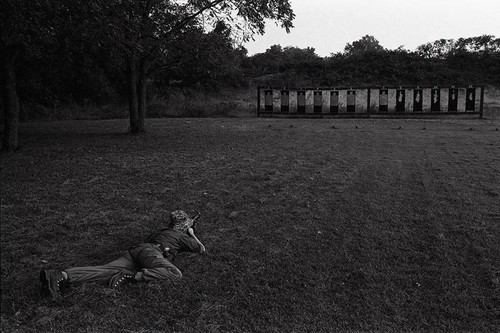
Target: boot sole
pixel 45 289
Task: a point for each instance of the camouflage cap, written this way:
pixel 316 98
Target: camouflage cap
pixel 179 220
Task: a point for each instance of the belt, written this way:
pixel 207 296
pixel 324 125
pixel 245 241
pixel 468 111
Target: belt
pixel 165 250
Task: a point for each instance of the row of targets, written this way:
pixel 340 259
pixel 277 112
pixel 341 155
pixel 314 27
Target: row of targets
pixel 378 100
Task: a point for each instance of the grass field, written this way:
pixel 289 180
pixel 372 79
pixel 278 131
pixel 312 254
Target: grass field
pixel 310 225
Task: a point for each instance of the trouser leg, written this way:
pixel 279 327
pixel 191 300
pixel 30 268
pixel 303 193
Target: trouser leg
pixel 103 272
pixel 149 259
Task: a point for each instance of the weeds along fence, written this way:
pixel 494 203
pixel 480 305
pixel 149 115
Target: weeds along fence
pixel 354 102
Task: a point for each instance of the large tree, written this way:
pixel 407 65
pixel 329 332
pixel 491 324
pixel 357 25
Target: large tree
pixel 22 30
pixel 32 31
pixel 149 33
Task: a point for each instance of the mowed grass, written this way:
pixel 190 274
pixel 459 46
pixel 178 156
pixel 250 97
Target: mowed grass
pixel 310 225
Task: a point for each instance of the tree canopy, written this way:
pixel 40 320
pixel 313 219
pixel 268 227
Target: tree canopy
pixel 472 60
pixel 367 44
pixel 141 37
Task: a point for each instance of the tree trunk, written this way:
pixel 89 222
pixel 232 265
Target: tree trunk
pixel 142 94
pixel 10 99
pixel 133 103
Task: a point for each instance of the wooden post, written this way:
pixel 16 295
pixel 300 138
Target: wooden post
pixel 481 103
pixel 258 101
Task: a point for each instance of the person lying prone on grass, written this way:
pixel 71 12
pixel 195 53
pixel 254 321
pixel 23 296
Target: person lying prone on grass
pixel 148 261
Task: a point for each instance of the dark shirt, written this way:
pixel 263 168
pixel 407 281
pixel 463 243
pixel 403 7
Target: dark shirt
pixel 176 241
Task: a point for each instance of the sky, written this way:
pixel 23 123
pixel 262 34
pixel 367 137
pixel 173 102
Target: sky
pixel 328 25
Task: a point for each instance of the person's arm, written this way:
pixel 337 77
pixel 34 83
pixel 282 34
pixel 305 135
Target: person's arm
pixel 191 233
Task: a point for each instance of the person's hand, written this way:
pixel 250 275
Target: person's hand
pixel 190 231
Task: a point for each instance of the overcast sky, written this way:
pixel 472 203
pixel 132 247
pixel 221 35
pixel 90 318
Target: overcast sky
pixel 328 25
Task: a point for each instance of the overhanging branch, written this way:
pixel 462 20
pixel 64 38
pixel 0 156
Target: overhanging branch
pixel 189 18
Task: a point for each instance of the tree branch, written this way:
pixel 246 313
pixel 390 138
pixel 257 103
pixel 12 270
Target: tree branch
pixel 187 19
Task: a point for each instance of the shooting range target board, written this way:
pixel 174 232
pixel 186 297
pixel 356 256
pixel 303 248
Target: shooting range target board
pixel 391 97
pixel 444 99
pixel 309 101
pixel 461 99
pixel 418 100
pixel 342 98
pixel 334 101
pixel 461 95
pixel 453 99
pixel 435 99
pixel 326 101
pixel 292 100
pixel 345 101
pixel 408 100
pixel 470 99
pixel 318 101
pixel 301 101
pixel 285 100
pixel 383 100
pixel 400 100
pixel 355 101
pixel 351 100
pixel 268 100
pixel 426 100
pixel 361 100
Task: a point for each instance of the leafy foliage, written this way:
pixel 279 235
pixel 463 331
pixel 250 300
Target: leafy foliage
pixel 367 44
pixel 365 62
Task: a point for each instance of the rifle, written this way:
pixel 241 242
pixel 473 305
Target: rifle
pixel 195 219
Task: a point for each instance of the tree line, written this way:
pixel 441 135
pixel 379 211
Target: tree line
pixel 59 52
pixel 466 61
